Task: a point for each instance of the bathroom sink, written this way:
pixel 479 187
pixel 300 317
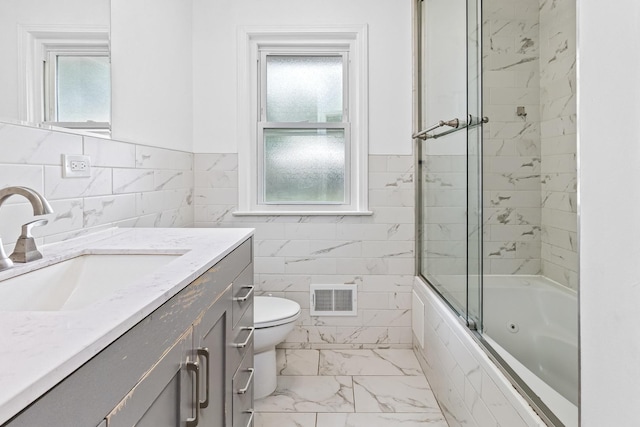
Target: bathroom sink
pixel 77 282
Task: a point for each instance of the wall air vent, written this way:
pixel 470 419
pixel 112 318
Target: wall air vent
pixel 334 300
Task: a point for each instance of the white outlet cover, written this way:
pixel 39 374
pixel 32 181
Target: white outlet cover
pixel 68 172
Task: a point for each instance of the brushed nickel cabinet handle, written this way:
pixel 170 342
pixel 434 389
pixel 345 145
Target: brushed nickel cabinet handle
pixel 246 296
pixel 244 389
pixel 250 411
pixel 243 344
pixel 204 352
pixel 195 368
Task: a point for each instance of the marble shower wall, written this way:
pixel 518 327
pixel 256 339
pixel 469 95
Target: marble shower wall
pixel 529 159
pixel 558 140
pixel 292 252
pixel 130 185
pixel 511 143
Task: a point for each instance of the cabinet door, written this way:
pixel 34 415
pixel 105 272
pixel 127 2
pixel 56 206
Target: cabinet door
pixel 165 394
pixel 211 336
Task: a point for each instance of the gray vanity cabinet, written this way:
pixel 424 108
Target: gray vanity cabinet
pixel 177 364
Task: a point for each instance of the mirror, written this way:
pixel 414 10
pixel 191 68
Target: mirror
pixel 33 35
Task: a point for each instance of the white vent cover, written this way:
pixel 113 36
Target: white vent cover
pixel 334 300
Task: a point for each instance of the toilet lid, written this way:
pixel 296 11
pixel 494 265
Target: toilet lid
pixel 271 311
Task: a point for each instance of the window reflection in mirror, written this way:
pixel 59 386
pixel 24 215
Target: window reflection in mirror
pixel 55 68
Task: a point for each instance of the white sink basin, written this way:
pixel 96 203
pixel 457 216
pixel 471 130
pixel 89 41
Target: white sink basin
pixel 77 282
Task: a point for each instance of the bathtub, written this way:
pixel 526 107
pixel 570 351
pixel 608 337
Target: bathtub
pixel 531 322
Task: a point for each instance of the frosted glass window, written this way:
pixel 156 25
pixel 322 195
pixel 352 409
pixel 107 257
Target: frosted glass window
pixel 304 166
pixel 304 88
pixel 83 89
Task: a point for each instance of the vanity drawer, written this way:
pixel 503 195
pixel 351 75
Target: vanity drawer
pixel 243 335
pixel 243 393
pixel 243 254
pixel 242 293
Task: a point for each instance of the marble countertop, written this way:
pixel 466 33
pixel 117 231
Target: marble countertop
pixel 38 349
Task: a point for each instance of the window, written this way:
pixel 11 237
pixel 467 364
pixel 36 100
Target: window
pixel 306 148
pixel 303 136
pixel 77 91
pixel 67 78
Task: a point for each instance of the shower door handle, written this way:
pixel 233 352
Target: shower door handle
pixel 454 123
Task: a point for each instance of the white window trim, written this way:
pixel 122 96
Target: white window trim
pixel 34 42
pixel 250 41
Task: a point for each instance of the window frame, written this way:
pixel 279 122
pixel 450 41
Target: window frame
pixel 254 43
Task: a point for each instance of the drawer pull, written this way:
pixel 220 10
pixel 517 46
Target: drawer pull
pixel 246 296
pixel 204 352
pixel 246 387
pixel 250 411
pixel 243 344
pixel 195 368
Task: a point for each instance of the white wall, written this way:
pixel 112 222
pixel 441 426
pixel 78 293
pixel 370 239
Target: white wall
pixel 151 58
pixel 32 12
pixel 215 66
pixel 609 208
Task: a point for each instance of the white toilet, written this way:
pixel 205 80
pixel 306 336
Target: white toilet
pixel 273 319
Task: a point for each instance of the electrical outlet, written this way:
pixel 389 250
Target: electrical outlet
pixel 75 166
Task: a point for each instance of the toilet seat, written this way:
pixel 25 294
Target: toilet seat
pixel 274 311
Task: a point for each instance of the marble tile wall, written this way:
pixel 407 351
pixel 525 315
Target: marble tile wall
pixel 558 141
pixel 512 159
pixel 470 389
pixel 444 195
pixel 445 199
pixel 530 161
pixel 292 252
pixel 130 185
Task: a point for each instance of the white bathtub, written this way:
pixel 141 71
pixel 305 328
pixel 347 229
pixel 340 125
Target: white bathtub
pixel 532 323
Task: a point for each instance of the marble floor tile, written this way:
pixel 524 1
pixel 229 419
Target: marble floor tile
pixel 284 419
pixel 393 394
pixel 297 362
pixel 309 394
pixel 381 420
pixel 369 362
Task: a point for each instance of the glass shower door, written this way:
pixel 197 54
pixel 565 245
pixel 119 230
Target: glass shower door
pixel 449 220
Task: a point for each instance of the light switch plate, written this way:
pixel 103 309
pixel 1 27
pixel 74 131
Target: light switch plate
pixel 75 166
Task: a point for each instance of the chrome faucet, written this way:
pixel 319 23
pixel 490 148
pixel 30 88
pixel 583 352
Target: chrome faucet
pixel 25 247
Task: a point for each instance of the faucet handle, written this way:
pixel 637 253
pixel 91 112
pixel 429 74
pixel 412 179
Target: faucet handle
pixel 26 228
pixel 26 249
